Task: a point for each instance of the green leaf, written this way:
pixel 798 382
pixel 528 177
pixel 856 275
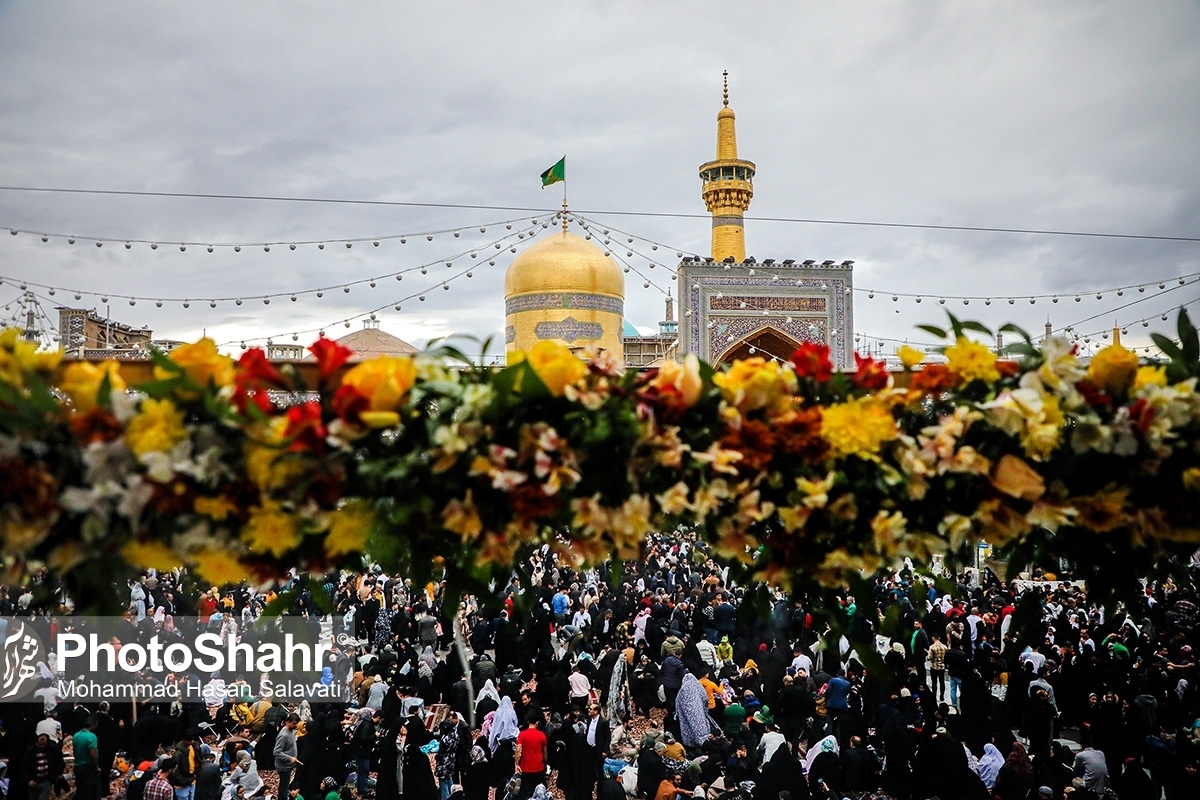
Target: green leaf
pixel 1188 338
pixel 1010 327
pixel 162 359
pixel 1169 348
pixel 104 394
pixel 978 327
pixel 159 389
pixel 934 330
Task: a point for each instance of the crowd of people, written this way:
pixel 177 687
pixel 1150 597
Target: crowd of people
pixel 661 681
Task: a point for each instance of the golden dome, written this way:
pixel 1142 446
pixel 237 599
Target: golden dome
pixel 564 262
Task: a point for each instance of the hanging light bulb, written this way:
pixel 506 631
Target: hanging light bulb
pixel 243 344
pixel 133 302
pixel 470 274
pixel 1141 289
pixel 1078 298
pixel 71 240
pixel 238 301
pixel 237 248
pixel 293 298
pixel 1011 301
pixel 210 248
pixel 51 291
pixel 266 301
pixel 211 303
pixel 941 301
pixel 1099 296
pixel 1054 299
pixel 399 277
pixel 1032 300
pixel 1120 292
pixel 421 298
pixel 186 304
pixel 871 295
pixel 295 337
pixel 157 303
pixel 349 245
pixel 376 244
pixel 346 289
pixel 987 302
pixel 99 244
pixel 153 245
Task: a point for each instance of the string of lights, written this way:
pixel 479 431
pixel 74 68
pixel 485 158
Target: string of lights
pixel 294 244
pixel 507 241
pixel 605 212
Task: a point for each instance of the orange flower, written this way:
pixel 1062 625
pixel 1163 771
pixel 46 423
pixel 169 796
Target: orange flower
pixel 1017 479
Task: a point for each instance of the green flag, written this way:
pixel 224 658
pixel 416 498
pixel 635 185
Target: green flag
pixel 556 173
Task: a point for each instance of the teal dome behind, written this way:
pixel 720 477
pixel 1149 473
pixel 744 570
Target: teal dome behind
pixel 627 329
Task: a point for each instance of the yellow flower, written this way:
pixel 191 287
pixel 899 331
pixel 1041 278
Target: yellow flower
pixel 675 499
pixel 201 363
pixel 384 381
pixel 267 464
pixel 157 428
pixel 1191 479
pixel 1104 511
pixel 679 382
pixel 462 517
pixel 20 535
pixel 910 356
pixel 1150 376
pixel 754 383
pixel 955 529
pixel 218 566
pixel 349 528
pixel 972 361
pixel 1016 478
pixel 272 530
pixel 19 357
pixel 1113 369
pixel 81 382
pixel 150 554
pixel 217 508
pixel 816 493
pixel 857 427
pixel 554 363
pixel 888 528
pixel 629 525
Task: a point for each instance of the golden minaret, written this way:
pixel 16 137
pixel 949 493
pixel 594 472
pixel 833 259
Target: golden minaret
pixel 728 187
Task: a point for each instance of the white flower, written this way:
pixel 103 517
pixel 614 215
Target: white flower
pixel 1060 369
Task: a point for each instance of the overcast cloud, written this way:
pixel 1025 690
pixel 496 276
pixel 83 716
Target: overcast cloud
pixel 1066 116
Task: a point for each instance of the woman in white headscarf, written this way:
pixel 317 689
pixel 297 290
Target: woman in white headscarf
pixel 488 699
pixel 990 764
pixel 504 724
pixel 827 745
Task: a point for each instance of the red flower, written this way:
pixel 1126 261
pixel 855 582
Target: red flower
pixel 1093 395
pixel 254 368
pixel 1007 369
pixel 869 374
pixel 811 360
pixel 348 403
pixel 933 379
pixel 305 427
pixel 1141 414
pixel 330 356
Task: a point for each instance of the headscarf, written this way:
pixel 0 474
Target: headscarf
pixel 478 756
pixel 990 764
pixel 827 745
pixel 504 725
pixel 691 706
pixel 1018 761
pixel 428 658
pixel 488 690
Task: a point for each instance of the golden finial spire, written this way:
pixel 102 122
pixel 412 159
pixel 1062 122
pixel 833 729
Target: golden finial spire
pixel 728 185
pixel 564 212
pixel 1116 334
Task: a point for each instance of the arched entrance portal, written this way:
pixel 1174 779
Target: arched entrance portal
pixel 766 342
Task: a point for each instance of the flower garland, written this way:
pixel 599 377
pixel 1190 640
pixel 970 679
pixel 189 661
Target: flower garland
pixel 806 475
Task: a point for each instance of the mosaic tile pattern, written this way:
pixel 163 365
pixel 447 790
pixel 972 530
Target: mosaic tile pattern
pixel 545 301
pixel 814 305
pixel 510 334
pixel 698 287
pixel 569 330
pixel 802 329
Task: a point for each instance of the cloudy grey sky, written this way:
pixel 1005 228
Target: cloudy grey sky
pixel 1075 116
